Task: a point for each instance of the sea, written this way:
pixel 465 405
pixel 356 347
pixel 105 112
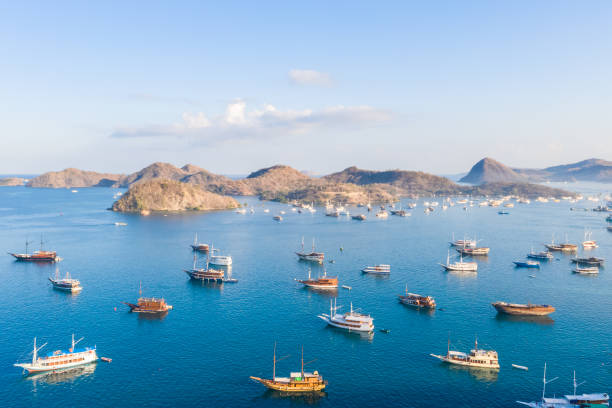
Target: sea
pixel 203 352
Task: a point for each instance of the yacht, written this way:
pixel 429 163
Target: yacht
pixel 568 401
pixel 381 269
pixel 300 381
pixel 351 321
pixel 66 284
pixel 312 256
pixel 459 266
pixel 476 358
pixel 60 359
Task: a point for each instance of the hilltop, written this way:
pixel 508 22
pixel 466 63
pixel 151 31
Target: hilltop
pixel 170 195
pixel 488 170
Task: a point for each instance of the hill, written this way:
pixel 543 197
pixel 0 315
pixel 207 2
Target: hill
pixel 587 170
pixel 158 170
pixel 488 170
pixel 11 181
pixel 170 195
pixel 74 178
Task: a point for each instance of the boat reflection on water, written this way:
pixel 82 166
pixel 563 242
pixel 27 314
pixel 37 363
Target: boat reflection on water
pixel 308 398
pixel 62 376
pixel 327 293
pixel 480 374
pixel 152 316
pixel 544 320
pixel 353 335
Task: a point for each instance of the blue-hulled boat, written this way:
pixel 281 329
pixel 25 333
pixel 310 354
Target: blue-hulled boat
pixel 526 264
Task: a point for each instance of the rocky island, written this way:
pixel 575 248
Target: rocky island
pixel 11 181
pixel 170 195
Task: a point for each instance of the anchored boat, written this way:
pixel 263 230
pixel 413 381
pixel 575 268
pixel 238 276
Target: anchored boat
pixel 416 300
pixel 351 321
pixel 526 264
pixel 523 310
pixel 37 256
pixel 459 266
pixel 476 251
pixel 542 256
pixel 312 256
pixel 322 282
pixel 198 246
pixel 148 305
pixel 60 359
pixel 220 260
pixel 589 270
pixel 296 382
pixel 588 261
pixel 476 358
pixel 381 269
pixel 66 284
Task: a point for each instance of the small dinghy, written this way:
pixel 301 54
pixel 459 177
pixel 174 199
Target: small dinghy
pixel 520 367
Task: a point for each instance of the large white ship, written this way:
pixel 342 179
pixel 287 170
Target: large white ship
pixel 476 358
pixel 351 321
pixel 60 359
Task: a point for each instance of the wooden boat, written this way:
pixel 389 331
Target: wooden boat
pixel 106 359
pixel 589 270
pixel 322 282
pixel 148 305
pixel 476 358
pixel 198 246
pixel 476 251
pixel 208 274
pixel 459 266
pixel 312 256
pixel 542 256
pixel 381 269
pixel 415 300
pixel 561 247
pixel 298 382
pixel 588 261
pixel 37 256
pixel 526 264
pixel 523 310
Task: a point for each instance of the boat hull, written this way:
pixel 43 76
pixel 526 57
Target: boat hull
pixel 466 363
pixel 523 310
pixel 290 387
pixel 351 328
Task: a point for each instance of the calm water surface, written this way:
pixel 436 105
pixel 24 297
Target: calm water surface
pixel 203 352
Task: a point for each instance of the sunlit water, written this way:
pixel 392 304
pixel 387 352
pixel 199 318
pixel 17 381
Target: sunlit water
pixel 203 352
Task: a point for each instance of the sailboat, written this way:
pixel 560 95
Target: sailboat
pixel 313 256
pixel 322 282
pixel 588 243
pixel 568 401
pixel 459 266
pixel 300 381
pixel 476 358
pixel 197 246
pixel 67 284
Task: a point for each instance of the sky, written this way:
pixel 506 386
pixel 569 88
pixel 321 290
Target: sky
pixel 234 86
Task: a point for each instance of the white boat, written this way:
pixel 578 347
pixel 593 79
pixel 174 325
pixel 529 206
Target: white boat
pixel 60 359
pixel 465 243
pixel 351 321
pixel 588 243
pixel 459 266
pixel 121 224
pixel 312 256
pixel 381 269
pixel 223 260
pixel 266 210
pixel 66 284
pixel 476 358
pixel 568 401
pixel 520 367
pixel 382 214
pixel 590 270
pixel 241 211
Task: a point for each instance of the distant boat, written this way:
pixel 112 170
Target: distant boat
pixel 476 251
pixel 382 214
pixel 121 224
pixel 312 256
pixel 360 217
pixel 523 310
pixel 37 256
pixel 520 367
pixel 335 214
pixel 593 261
pixel 381 269
pixel 588 243
pixel 266 210
pixel 277 218
pixel 198 246
pixel 322 282
pixel 543 256
pixel 60 359
pixel 526 264
pixel 241 211
pixel 66 284
pixel 219 260
pixel 609 218
pixel 459 266
pixel 351 321
pixel 503 212
pixel 477 358
pixel 297 382
pixel 206 274
pixel 416 300
pixel 148 305
pixel 465 243
pixel 590 270
pixel 561 247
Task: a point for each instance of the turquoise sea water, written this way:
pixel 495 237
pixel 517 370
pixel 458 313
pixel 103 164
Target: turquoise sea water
pixel 203 352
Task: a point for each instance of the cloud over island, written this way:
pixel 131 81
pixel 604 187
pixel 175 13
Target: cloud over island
pixel 239 122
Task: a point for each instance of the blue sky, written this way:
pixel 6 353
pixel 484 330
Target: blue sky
pixel 236 86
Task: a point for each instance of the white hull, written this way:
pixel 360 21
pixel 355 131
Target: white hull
pixel 465 363
pixel 220 260
pixel 38 368
pixel 363 328
pixel 315 286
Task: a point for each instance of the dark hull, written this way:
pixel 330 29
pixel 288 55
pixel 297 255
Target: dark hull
pixel 29 258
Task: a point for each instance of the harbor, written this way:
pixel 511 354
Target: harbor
pixel 209 314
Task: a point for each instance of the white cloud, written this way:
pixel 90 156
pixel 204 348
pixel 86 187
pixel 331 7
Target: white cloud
pixel 238 122
pixel 309 77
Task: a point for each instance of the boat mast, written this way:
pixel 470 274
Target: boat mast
pixel 576 385
pixel 313 245
pixel 274 368
pixel 34 353
pixel 546 382
pixel 303 366
pixel 195 239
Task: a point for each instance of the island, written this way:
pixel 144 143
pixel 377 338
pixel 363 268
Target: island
pixel 164 195
pixel 11 181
